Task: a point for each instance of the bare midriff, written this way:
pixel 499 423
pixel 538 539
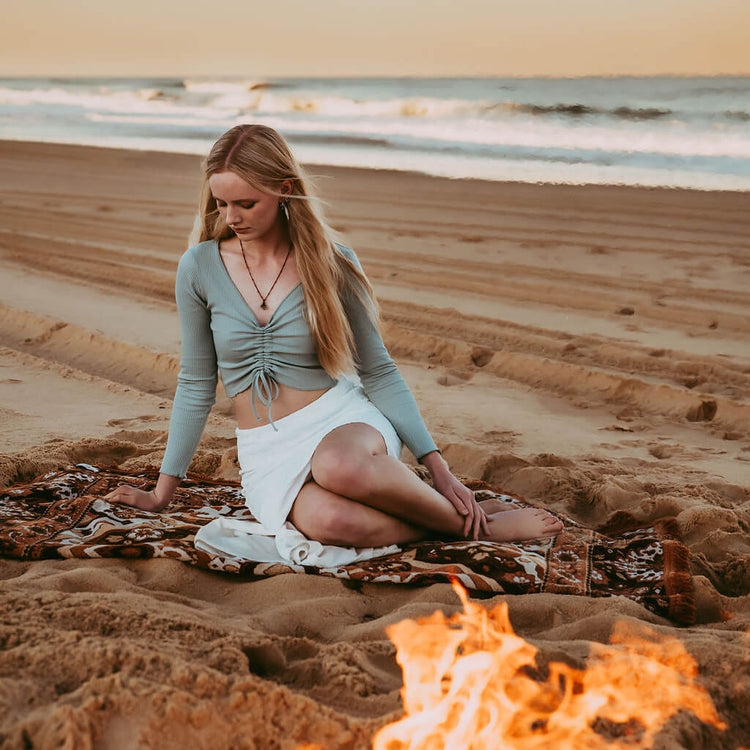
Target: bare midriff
pixel 287 402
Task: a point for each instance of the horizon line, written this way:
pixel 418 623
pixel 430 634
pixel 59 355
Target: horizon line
pixel 364 76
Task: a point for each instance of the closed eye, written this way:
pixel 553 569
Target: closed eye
pixel 244 204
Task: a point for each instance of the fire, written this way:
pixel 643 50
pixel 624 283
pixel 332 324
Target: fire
pixel 469 683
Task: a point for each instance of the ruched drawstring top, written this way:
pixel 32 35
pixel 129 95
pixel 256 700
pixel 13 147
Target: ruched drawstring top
pixel 220 333
pixel 265 389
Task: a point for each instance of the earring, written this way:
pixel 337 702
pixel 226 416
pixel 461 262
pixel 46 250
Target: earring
pixel 284 206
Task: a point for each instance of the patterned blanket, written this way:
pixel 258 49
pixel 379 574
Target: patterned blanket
pixel 63 515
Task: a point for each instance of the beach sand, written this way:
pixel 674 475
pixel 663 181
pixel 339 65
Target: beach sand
pixel 587 348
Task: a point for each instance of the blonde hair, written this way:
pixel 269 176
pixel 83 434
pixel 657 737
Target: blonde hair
pixel 260 156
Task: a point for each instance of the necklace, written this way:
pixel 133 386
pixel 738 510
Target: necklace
pixel 263 299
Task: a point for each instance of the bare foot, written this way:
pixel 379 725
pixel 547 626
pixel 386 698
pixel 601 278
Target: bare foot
pixel 523 524
pixel 493 505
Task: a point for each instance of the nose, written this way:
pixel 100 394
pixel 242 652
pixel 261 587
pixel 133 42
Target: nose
pixel 232 215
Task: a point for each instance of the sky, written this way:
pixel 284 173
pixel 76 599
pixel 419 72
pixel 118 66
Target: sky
pixel 375 37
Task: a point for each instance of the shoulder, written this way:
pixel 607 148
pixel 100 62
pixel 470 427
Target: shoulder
pixel 194 267
pixel 356 290
pixel 349 254
pixel 198 255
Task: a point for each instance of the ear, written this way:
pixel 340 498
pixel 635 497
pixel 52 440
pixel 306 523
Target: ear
pixel 286 187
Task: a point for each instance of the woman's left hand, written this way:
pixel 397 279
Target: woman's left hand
pixel 137 498
pixel 459 495
pixel 475 520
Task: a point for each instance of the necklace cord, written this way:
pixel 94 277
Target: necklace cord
pixel 263 299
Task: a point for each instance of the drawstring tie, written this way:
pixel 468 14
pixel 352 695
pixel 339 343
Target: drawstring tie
pixel 265 389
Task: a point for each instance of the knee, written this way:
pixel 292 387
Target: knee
pixel 344 474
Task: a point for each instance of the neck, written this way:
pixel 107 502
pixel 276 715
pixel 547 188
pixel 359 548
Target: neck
pixel 272 245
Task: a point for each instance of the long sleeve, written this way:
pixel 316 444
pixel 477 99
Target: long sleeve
pixel 381 380
pixel 196 383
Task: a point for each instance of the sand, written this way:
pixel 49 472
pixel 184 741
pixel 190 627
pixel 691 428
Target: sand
pixel 585 347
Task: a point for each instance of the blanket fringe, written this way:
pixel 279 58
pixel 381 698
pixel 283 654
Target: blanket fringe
pixel 668 528
pixel 678 582
pixel 620 522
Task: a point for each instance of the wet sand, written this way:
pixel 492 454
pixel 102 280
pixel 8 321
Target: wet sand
pixel 587 348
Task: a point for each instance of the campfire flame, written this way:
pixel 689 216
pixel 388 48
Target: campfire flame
pixel 469 683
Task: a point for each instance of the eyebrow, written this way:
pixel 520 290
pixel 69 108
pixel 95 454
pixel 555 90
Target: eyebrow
pixel 241 200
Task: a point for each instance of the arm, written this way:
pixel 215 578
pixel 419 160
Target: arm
pixel 380 377
pixel 196 382
pixel 194 397
pixel 386 388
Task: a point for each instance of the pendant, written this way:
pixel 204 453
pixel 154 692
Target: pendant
pixel 263 305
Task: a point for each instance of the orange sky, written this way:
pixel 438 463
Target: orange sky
pixel 375 37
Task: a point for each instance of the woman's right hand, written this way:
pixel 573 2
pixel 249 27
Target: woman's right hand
pixel 137 498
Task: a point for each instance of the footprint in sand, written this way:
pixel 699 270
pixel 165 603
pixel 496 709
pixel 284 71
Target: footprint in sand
pixel 142 437
pixel 299 664
pixel 291 662
pixel 480 356
pixel 666 451
pixel 617 428
pixel 454 377
pixel 133 421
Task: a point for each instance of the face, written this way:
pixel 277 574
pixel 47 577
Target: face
pixel 250 213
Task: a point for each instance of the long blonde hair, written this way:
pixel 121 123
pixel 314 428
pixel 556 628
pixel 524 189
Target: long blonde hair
pixel 261 157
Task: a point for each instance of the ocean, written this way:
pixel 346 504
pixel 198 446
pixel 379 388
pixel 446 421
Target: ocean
pixel 658 131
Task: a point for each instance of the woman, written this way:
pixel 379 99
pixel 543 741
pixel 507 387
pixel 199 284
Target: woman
pixel 285 314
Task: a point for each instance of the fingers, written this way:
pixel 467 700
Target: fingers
pixel 480 522
pixel 475 520
pixel 123 494
pixel 470 529
pixel 116 495
pixel 474 514
pixel 463 506
pixel 485 522
pixel 475 527
pixel 120 495
pixel 450 494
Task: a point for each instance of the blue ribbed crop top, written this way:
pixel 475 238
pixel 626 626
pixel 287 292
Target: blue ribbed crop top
pixel 220 333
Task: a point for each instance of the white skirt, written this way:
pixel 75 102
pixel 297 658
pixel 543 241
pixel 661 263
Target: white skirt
pixel 275 464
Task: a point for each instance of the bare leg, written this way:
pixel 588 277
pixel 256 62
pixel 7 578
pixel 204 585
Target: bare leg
pixel 332 519
pixel 351 464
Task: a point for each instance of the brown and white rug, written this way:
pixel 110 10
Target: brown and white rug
pixel 63 515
